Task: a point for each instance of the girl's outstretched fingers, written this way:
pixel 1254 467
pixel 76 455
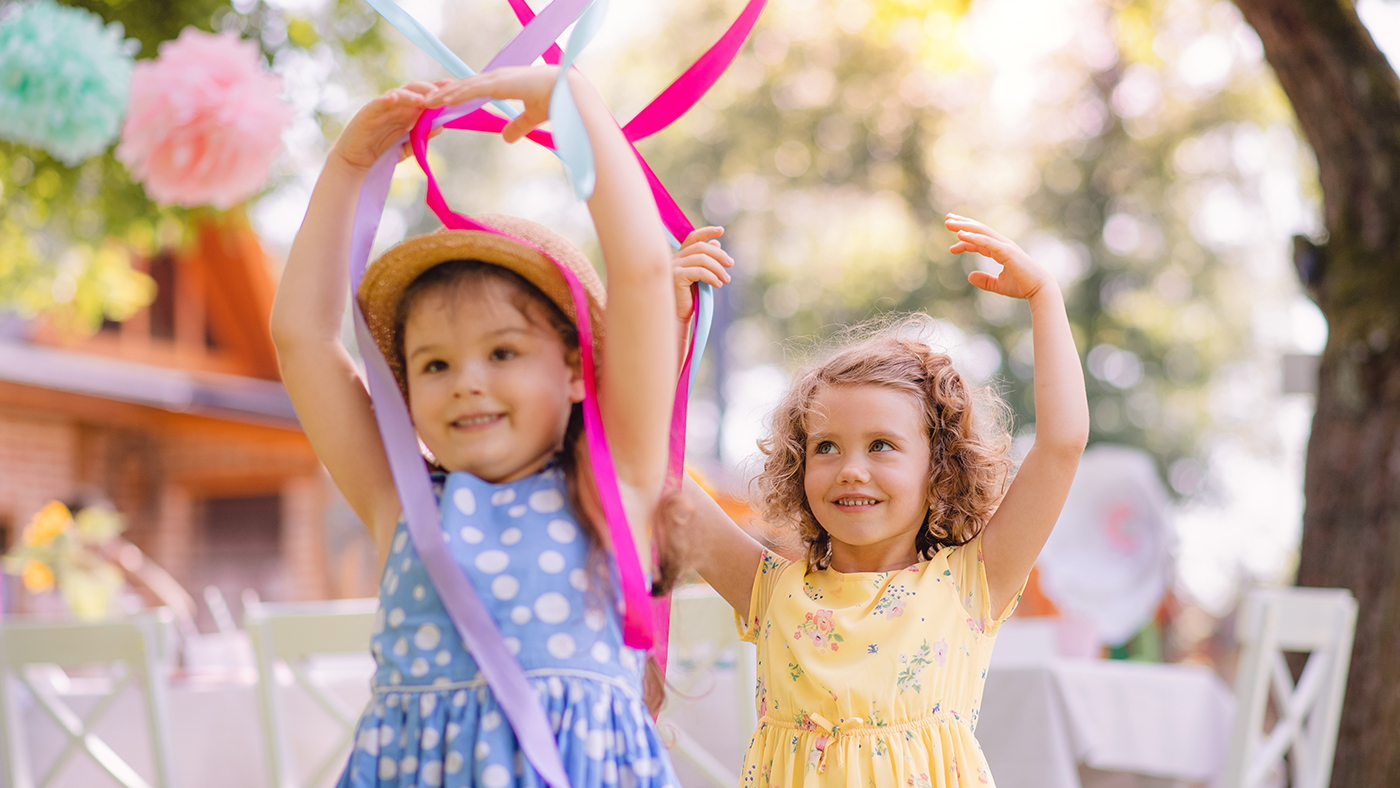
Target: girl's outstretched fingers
pixel 1021 276
pixel 531 85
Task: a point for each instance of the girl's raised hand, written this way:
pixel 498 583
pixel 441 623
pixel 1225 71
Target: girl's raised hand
pixel 531 85
pixel 700 259
pixel 380 123
pixel 1021 276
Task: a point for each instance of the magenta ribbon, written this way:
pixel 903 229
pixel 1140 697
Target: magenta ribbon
pixel 479 631
pixel 661 112
pixel 473 622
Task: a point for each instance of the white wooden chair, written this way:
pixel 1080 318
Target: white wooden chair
pixel 287 634
pixel 1317 621
pixel 703 638
pixel 135 645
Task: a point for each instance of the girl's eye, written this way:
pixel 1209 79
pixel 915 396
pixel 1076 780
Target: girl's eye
pixel 882 445
pixel 503 354
pixel 435 366
pixel 825 447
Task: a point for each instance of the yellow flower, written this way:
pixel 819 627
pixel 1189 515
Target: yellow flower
pixel 48 523
pixel 90 594
pixel 98 524
pixel 38 578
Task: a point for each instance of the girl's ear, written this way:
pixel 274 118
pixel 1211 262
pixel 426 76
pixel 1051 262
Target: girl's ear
pixel 577 391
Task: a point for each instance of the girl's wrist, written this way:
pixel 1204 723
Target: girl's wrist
pixel 1048 293
pixel 341 164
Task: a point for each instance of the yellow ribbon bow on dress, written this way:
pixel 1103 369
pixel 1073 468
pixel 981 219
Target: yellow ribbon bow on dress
pixel 837 729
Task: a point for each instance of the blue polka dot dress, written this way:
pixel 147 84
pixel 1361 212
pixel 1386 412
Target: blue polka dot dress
pixel 434 722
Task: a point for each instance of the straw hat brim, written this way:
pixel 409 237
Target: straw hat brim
pixel 528 249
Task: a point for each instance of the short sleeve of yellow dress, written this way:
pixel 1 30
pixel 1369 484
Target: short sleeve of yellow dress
pixel 871 679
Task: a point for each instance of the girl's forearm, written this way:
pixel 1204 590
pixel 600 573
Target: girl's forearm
pixel 311 297
pixel 624 213
pixel 1061 405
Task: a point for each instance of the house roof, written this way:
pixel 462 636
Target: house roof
pixel 229 397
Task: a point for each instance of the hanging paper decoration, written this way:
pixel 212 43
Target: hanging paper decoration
pixel 205 121
pixel 64 79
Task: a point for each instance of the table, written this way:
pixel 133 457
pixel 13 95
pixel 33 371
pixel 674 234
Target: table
pixel 1050 723
pixel 1066 723
pixel 216 733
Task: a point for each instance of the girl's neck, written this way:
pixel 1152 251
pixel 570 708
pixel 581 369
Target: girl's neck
pixel 887 556
pixel 534 466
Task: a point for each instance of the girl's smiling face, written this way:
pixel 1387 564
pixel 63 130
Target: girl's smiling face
pixel 490 388
pixel 867 475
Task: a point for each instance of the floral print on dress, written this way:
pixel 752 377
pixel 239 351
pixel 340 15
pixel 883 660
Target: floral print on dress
pixel 821 630
pixel 940 652
pixel 892 602
pixel 794 670
pixel 912 674
pixel 905 651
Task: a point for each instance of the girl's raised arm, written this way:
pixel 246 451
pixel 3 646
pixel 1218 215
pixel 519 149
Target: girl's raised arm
pixel 636 377
pixel 319 374
pixel 1028 512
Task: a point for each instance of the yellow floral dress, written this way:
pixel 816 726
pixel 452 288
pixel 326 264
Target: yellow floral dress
pixel 871 679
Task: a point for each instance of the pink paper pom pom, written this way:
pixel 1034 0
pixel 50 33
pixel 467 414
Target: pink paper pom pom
pixel 205 122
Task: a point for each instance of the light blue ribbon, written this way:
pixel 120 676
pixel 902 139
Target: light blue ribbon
pixel 570 137
pixel 571 141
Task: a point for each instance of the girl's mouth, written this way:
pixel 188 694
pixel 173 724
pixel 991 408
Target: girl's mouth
pixel 477 422
pixel 854 502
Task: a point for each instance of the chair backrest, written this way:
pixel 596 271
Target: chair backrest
pixel 287 634
pixel 1320 622
pixel 703 634
pixel 137 645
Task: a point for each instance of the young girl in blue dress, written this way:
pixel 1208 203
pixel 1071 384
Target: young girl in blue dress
pixel 478 329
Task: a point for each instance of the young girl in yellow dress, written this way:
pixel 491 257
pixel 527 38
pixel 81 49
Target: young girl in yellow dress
pixel 873 649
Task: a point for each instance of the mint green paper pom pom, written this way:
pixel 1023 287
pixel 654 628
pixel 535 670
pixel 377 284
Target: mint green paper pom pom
pixel 64 79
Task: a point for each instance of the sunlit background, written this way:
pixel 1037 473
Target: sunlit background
pixel 1142 151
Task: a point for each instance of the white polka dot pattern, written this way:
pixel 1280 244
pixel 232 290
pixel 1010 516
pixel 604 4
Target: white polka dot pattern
pixel 562 531
pixel 505 587
pixel 561 645
pixel 465 501
pixel 552 608
pixel 552 562
pixel 521 548
pixel 492 561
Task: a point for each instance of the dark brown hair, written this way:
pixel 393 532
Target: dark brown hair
pixel 672 511
pixel 968 439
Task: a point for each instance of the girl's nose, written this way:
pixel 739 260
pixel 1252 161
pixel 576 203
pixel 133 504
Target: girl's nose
pixel 853 471
pixel 470 380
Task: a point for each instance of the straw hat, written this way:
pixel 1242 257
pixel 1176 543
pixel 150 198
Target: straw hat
pixel 528 249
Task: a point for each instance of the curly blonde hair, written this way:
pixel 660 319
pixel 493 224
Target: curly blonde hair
pixel 969 437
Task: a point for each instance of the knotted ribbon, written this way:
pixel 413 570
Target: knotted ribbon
pixel 473 621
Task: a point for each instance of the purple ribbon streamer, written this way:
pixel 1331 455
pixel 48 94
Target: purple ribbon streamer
pixel 474 623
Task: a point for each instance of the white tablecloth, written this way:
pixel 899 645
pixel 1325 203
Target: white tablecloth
pixel 1053 724
pixel 1041 722
pixel 215 729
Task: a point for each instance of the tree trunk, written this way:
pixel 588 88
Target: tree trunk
pixel 1347 99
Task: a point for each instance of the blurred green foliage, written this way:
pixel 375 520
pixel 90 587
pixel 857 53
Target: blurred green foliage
pixel 845 131
pixel 68 234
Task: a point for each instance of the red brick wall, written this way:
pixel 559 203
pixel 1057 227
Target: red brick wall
pixel 38 462
pixel 157 467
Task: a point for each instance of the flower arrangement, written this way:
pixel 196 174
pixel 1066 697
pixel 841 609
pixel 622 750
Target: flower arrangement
pixel 205 121
pixel 64 79
pixel 59 550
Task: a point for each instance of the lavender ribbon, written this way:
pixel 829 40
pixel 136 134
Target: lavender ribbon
pixel 472 620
